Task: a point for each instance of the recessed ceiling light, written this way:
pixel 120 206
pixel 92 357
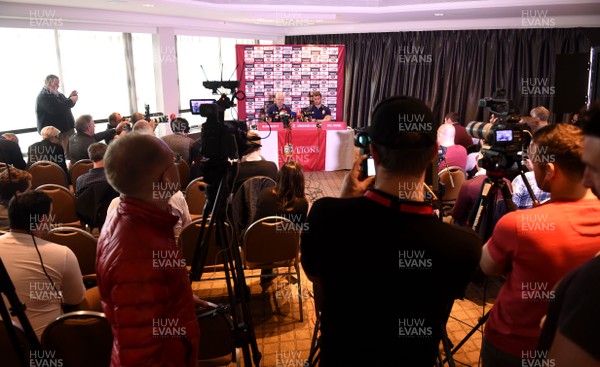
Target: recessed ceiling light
pixel 148 5
pixel 438 14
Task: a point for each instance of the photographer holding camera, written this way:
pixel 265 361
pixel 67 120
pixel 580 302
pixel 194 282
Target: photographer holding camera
pixel 399 243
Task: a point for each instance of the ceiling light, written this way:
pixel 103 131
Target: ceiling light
pixel 438 14
pixel 148 5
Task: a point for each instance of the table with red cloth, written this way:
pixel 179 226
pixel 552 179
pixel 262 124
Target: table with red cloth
pixel 315 148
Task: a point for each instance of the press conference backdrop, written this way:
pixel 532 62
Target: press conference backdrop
pixel 294 70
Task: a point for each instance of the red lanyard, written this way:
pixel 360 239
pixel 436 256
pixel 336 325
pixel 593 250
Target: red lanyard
pixel 403 206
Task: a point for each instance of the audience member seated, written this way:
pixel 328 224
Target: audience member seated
pixel 48 149
pixel 85 136
pixel 96 174
pixel 461 136
pixel 534 249
pixel 570 331
pixel 456 155
pixel 521 195
pixel 17 183
pixel 397 243
pixel 141 273
pixel 287 199
pixel 11 137
pixel 42 288
pixel 144 127
pixel 179 142
pixel 253 164
pixel 541 114
pixel 10 153
pixel 469 198
pixel 197 166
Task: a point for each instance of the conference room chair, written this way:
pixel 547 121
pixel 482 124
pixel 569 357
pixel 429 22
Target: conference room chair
pixel 216 345
pixel 79 168
pixel 83 244
pixel 63 210
pixel 183 168
pixel 243 206
pixel 195 197
pixel 92 205
pixel 452 177
pixel 273 243
pixel 10 356
pixel 214 259
pixel 46 172
pixel 80 338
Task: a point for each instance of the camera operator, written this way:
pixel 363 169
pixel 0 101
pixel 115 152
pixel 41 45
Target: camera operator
pixel 536 247
pixel 398 242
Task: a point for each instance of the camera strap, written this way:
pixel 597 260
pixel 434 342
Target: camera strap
pixel 411 207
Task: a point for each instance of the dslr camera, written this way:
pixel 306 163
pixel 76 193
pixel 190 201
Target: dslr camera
pixel 506 138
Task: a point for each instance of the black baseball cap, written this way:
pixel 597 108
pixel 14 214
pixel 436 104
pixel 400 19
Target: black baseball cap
pixel 403 122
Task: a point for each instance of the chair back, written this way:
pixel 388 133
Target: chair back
pixel 195 198
pixel 188 240
pixel 217 345
pixel 80 338
pixel 82 243
pixel 453 177
pixel 243 206
pixel 184 171
pixel 92 204
pixel 46 172
pixel 273 242
pixel 63 205
pixel 79 168
pixel 10 357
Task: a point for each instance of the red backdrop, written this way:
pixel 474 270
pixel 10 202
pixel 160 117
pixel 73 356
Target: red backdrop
pixel 294 70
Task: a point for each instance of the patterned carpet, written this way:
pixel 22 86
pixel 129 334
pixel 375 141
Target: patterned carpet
pixel 285 341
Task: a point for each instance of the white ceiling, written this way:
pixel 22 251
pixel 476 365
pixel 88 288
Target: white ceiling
pixel 277 18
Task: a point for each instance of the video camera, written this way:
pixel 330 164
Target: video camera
pixel 506 136
pixel 220 140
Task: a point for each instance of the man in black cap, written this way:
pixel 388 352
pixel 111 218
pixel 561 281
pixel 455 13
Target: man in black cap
pixel 382 227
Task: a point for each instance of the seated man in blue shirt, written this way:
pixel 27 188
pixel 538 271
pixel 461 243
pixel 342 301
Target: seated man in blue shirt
pixel 319 111
pixel 96 153
pixel 276 112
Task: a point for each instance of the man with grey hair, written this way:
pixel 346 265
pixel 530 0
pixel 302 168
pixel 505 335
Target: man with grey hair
pixel 275 110
pixel 86 135
pixel 54 109
pixel 542 114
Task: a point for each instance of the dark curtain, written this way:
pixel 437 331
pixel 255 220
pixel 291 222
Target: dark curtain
pixel 451 70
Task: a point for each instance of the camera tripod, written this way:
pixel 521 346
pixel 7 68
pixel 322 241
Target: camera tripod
pixel 237 289
pixel 483 219
pixel 17 309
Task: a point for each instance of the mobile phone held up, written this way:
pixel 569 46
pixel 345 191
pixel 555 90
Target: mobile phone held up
pixel 368 167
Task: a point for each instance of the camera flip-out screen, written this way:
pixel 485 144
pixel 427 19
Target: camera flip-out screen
pixel 196 103
pixel 504 135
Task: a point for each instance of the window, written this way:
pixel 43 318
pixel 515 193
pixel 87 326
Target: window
pixel 30 55
pixel 143 64
pixel 93 63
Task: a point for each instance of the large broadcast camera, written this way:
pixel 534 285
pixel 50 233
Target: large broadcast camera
pixel 506 138
pixel 221 140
